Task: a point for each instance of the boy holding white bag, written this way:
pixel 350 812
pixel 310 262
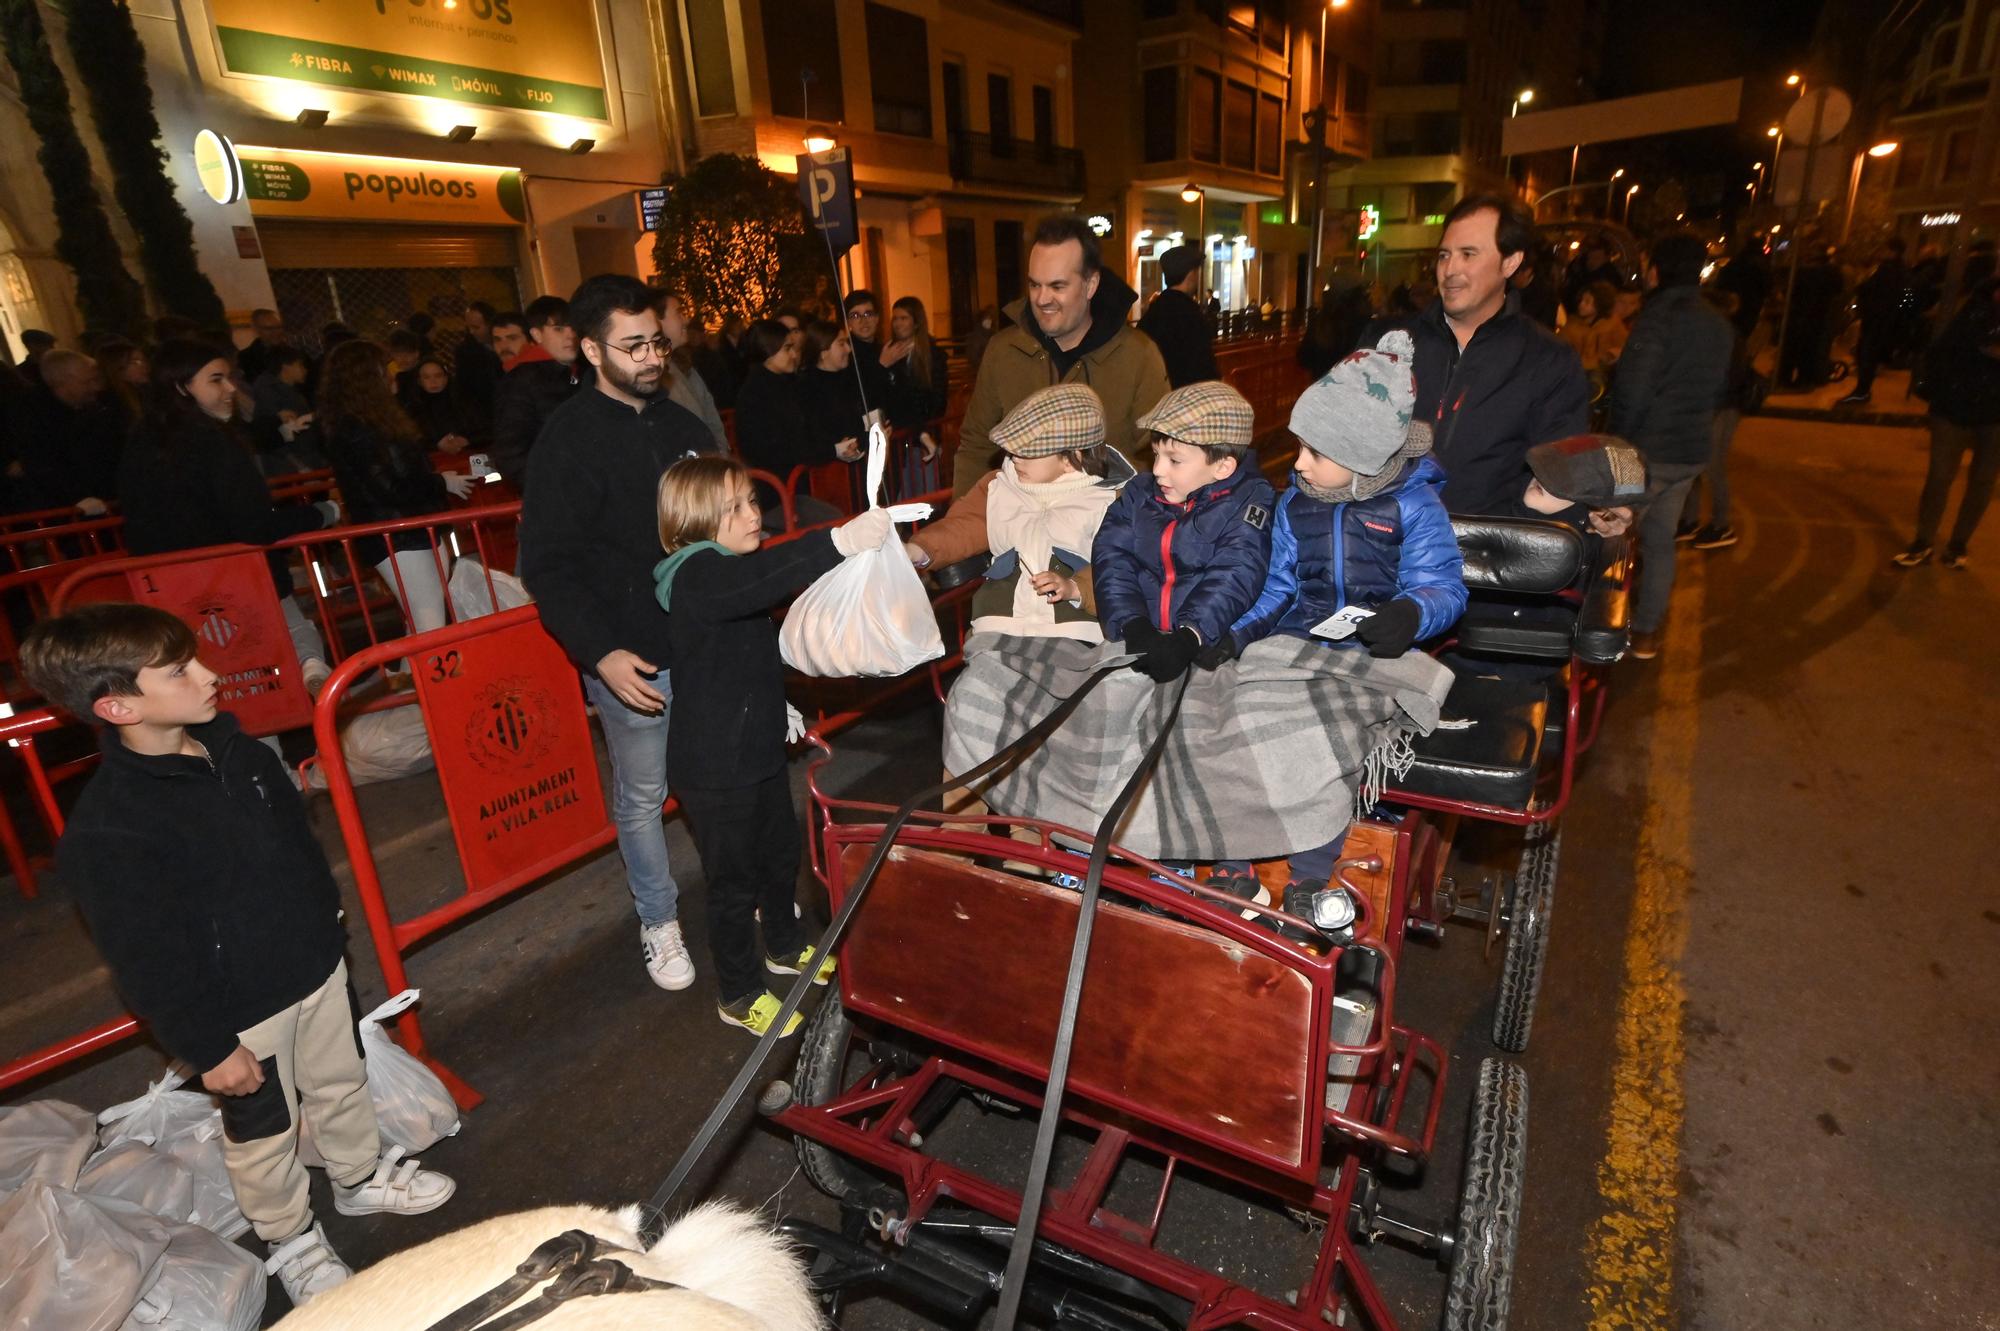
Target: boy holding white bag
pixel 192 860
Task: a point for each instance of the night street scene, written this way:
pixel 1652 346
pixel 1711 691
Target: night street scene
pixel 1102 665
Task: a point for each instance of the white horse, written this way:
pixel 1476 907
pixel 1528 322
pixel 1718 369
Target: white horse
pixel 733 1272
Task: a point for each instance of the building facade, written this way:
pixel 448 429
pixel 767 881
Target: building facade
pixel 959 117
pixel 1929 107
pixel 1204 135
pixel 364 161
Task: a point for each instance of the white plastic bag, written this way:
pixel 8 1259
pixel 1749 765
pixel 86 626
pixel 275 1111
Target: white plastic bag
pixel 188 1126
pixel 381 746
pixel 201 1284
pixel 134 1172
pixel 44 1139
pixel 868 615
pixel 469 597
pixel 412 1107
pixel 74 1262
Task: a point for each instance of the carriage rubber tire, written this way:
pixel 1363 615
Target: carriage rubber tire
pixel 1529 915
pixel 815 1080
pixel 1489 1205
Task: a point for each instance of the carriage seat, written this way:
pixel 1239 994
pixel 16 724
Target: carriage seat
pixel 1517 569
pixel 1496 758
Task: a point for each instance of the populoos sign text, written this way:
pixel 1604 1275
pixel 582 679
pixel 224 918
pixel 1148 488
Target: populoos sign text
pixel 283 183
pixel 528 55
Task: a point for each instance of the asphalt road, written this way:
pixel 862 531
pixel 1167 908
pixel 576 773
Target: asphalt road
pixel 1763 1083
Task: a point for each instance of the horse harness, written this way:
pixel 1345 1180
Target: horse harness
pixel 571 1266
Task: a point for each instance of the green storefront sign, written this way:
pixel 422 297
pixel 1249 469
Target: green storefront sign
pixel 308 61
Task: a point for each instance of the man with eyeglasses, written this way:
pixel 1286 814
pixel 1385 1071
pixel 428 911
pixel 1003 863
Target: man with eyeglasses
pixel 589 539
pixel 864 333
pixel 545 373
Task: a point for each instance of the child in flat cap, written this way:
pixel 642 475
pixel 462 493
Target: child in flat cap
pixel 1584 477
pixel 1038 516
pixel 1363 525
pixel 1183 552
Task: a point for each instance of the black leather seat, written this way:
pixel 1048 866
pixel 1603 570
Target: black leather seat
pixel 1495 759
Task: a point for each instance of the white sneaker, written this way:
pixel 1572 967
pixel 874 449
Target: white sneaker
pixel 666 954
pixel 306 1265
pixel 314 673
pixel 398 1185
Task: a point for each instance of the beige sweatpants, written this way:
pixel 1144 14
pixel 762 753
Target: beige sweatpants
pixel 322 1076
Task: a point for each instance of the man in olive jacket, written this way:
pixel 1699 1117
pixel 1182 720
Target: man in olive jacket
pixel 1077 334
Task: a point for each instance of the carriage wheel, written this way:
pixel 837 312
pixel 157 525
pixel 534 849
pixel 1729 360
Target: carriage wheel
pixel 821 1074
pixel 1528 914
pixel 1489 1205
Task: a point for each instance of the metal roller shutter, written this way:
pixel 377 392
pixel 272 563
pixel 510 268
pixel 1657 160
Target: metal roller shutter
pixel 384 245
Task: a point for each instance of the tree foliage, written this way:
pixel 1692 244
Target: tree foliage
pixel 112 65
pixel 110 299
pixel 733 239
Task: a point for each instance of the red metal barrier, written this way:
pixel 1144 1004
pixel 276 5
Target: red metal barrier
pixel 60 542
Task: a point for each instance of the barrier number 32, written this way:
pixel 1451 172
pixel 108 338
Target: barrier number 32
pixel 445 665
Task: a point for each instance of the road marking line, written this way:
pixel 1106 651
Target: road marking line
pixel 1632 1243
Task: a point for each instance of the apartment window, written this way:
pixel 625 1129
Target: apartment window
pixel 1000 111
pixel 1045 116
pixel 1911 159
pixel 802 58
pixel 1442 62
pixel 954 98
pixel 1357 90
pixel 1432 199
pixel 1270 135
pixel 1160 96
pixel 899 70
pixel 1239 126
pixel 1204 115
pixel 708 57
pixel 1153 9
pixel 1957 156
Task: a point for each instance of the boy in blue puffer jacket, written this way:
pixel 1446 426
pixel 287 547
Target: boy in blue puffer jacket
pixel 1363 526
pixel 1182 553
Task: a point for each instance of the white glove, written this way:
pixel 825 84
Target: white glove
pixel 795 725
pixel 867 532
pixel 459 483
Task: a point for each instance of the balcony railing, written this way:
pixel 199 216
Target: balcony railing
pixel 1020 162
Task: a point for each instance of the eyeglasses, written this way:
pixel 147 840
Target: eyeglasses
pixel 657 348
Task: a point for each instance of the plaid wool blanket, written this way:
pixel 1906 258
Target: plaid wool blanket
pixel 1271 754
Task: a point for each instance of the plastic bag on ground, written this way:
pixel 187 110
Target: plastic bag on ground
pixel 869 614
pixel 188 1126
pixel 412 1107
pixel 44 1139
pixel 202 1283
pixel 381 746
pixel 74 1262
pixel 134 1172
pixel 470 598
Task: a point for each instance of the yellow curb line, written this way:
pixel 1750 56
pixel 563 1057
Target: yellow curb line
pixel 1632 1243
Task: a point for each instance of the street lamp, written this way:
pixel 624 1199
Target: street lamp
pixel 1194 194
pixel 1521 99
pixel 1627 218
pixel 819 139
pixel 1793 80
pixel 1608 186
pixel 1883 149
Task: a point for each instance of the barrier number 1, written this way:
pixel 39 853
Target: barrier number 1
pixel 445 666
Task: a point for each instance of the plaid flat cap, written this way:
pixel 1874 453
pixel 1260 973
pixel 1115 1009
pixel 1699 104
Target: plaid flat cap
pixel 1594 469
pixel 1209 415
pixel 1050 421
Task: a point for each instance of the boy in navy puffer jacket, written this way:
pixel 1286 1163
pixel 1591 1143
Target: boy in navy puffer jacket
pixel 1183 553
pixel 1362 526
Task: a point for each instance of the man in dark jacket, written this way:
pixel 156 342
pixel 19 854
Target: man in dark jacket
pixel 67 435
pixel 589 539
pixel 544 375
pixel 475 370
pixel 1491 381
pixel 1886 298
pixel 1671 380
pixel 1175 322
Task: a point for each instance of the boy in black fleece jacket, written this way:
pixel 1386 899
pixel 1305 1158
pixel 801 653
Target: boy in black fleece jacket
pixel 192 861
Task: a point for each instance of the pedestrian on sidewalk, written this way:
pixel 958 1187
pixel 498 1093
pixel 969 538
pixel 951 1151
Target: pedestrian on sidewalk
pixel 1718 532
pixel 1961 380
pixel 589 540
pixel 1671 380
pixel 191 858
pixel 1177 324
pixel 1885 299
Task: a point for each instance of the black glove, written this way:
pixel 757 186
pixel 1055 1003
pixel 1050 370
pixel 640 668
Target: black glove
pixel 1139 635
pixel 1391 629
pixel 1170 655
pixel 1215 653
